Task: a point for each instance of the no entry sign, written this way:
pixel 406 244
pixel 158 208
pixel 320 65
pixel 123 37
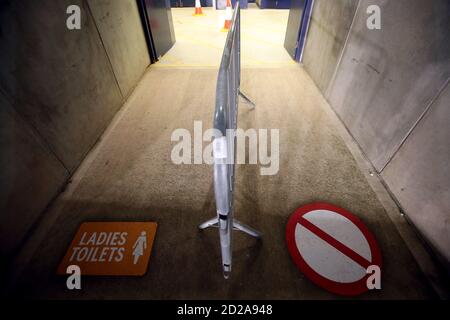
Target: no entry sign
pixel 111 248
pixel 332 247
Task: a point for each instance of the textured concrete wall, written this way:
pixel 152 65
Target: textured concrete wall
pixel 384 83
pixel 326 38
pixel 387 77
pixel 62 90
pixel 59 80
pixel 121 30
pixel 30 176
pixel 419 175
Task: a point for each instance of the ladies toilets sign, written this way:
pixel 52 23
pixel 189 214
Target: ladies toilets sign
pixel 111 248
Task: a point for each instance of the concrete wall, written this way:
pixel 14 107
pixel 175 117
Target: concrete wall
pixel 419 174
pixel 384 83
pixel 387 77
pixel 30 176
pixel 62 86
pixel 59 80
pixel 326 38
pixel 123 37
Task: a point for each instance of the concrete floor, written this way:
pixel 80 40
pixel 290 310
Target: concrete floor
pixel 200 40
pixel 129 176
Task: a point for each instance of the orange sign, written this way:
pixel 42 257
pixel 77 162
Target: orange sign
pixel 111 248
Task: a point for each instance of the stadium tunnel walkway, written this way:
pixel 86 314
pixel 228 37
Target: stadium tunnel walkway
pixel 130 176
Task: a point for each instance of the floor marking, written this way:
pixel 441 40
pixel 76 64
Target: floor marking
pixel 111 248
pixel 332 247
pixel 335 243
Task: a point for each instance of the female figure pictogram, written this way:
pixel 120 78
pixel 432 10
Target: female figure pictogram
pixel 139 246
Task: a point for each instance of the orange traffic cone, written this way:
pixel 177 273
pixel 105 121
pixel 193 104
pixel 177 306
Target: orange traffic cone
pixel 198 9
pixel 228 17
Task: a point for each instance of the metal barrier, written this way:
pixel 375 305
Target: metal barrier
pixel 224 146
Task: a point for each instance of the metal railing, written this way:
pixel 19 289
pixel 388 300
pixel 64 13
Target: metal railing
pixel 224 145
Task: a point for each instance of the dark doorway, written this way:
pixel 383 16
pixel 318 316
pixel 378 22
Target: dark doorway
pixel 158 26
pixel 298 23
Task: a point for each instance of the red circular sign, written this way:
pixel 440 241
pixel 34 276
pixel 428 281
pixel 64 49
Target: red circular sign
pixel 332 247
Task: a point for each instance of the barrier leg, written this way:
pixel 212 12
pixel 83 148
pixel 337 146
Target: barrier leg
pixel 237 225
pixel 246 99
pixel 225 235
pixel 214 222
pixel 246 229
pixel 225 230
